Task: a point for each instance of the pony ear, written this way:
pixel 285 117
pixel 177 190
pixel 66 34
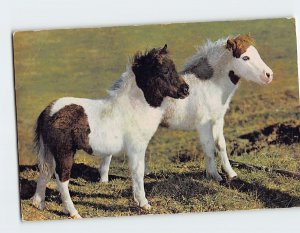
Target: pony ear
pixel 231 45
pixel 164 50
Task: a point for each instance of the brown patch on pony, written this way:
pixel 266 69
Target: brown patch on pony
pixel 233 78
pixel 63 134
pixel 164 124
pixel 202 69
pixel 239 44
pixel 156 76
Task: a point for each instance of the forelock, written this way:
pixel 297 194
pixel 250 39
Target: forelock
pixel 149 57
pixel 244 41
pixel 240 44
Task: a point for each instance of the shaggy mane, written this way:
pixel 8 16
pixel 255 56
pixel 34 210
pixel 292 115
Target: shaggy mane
pixel 214 50
pixel 211 51
pixel 122 83
pixel 141 57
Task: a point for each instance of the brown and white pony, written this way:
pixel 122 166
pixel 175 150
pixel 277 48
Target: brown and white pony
pixel 124 121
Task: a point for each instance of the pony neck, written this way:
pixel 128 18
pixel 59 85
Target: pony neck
pixel 221 76
pixel 219 59
pixel 126 89
pixel 123 85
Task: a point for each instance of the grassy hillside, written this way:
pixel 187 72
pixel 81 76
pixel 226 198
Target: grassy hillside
pixel 85 62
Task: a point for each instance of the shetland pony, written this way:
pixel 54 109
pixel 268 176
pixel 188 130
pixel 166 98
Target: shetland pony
pixel 124 121
pixel 213 75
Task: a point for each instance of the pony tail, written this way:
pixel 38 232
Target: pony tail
pixel 43 154
pixel 36 139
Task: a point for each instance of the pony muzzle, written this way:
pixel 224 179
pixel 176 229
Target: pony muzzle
pixel 183 91
pixel 267 77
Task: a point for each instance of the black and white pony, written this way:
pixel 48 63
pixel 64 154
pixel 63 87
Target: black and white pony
pixel 124 121
pixel 212 74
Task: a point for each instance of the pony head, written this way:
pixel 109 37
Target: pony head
pixel 246 61
pixel 157 77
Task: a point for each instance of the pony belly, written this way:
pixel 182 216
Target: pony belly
pixel 181 125
pixel 106 144
pixel 180 120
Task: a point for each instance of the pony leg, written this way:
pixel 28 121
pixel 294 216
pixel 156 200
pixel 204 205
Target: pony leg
pixel 104 168
pixel 147 170
pixel 221 148
pixel 137 167
pixel 207 142
pixel 46 168
pixel 62 174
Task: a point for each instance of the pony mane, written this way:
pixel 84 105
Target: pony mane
pixel 142 58
pixel 211 50
pixel 123 83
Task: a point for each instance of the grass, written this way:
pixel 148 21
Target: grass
pixel 85 62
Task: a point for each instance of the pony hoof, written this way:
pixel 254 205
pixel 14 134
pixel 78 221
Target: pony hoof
pixel 104 178
pixel 147 172
pixel 214 176
pixel 232 175
pixel 38 203
pixel 146 207
pixel 64 210
pixel 104 181
pixel 76 216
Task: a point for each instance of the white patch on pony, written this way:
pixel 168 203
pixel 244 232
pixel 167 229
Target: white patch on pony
pixel 68 206
pixel 104 168
pixel 253 69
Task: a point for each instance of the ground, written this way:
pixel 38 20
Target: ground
pixel 261 126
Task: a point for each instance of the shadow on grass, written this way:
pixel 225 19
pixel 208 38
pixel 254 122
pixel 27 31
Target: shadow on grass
pixel 109 207
pixel 90 195
pixel 58 213
pixel 271 198
pixel 184 186
pixel 90 174
pixel 80 170
pixel 166 175
pixel 178 186
pixel 23 168
pixel 28 187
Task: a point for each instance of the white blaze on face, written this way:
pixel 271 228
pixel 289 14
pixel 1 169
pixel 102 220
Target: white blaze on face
pixel 251 67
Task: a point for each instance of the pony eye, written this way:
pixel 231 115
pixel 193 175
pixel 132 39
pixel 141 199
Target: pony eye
pixel 246 58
